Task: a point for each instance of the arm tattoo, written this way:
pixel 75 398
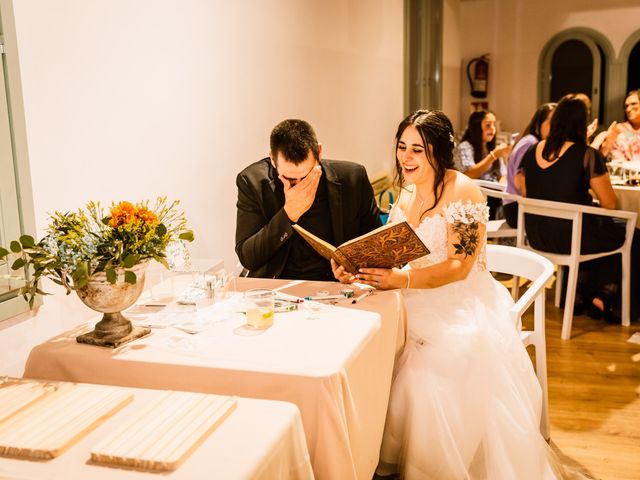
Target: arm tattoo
pixel 468 238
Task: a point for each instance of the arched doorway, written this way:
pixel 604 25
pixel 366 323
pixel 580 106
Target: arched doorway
pixel 576 61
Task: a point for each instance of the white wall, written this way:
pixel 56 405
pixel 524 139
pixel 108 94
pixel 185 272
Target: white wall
pixel 514 32
pixel 133 99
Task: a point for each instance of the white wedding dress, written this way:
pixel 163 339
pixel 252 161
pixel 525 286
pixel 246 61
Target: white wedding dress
pixel 465 401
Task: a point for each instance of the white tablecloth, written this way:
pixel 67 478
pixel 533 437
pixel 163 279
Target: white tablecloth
pixel 336 367
pixel 629 199
pixel 260 439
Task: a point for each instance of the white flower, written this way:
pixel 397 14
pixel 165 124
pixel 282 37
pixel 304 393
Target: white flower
pixel 468 212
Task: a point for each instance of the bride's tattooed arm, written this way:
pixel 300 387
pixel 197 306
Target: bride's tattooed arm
pixel 468 238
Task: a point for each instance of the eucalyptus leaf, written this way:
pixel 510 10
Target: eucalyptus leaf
pixel 15 246
pixel 18 264
pixel 27 241
pixel 130 277
pixel 3 252
pixel 111 275
pixel 161 230
pixel 187 235
pixel 130 260
pixel 162 261
pixel 82 271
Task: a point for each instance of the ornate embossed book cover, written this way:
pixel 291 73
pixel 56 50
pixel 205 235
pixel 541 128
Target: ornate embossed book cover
pixel 391 245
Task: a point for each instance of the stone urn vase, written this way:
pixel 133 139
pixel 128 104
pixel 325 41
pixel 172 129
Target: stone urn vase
pixel 111 298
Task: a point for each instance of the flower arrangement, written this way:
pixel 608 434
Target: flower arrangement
pixel 83 243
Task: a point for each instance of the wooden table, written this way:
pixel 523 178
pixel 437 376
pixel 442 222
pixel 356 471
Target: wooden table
pixel 336 367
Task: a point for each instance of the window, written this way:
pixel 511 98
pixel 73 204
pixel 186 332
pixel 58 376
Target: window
pixel 16 204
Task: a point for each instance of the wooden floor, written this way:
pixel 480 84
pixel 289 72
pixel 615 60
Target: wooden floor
pixel 594 396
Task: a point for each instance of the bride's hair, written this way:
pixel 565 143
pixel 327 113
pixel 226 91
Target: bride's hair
pixel 436 132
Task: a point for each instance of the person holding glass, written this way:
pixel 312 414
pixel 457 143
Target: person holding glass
pixel 465 401
pixel 332 199
pixel 478 156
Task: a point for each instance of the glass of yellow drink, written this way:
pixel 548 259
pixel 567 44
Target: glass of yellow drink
pixel 260 305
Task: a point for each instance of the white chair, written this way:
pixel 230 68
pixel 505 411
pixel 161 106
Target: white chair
pixel 497 228
pixel 572 260
pixel 539 270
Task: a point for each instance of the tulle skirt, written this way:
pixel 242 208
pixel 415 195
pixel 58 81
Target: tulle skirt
pixel 465 401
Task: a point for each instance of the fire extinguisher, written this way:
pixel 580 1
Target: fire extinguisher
pixel 479 81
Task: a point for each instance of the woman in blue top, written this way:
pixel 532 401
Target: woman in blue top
pixel 478 156
pixel 538 129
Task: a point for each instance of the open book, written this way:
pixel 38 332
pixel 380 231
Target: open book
pixel 391 245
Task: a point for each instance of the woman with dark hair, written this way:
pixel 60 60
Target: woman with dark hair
pixel 478 156
pixel 465 401
pixel 537 130
pixel 563 168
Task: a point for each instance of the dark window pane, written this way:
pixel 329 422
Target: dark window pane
pixel 633 75
pixel 571 70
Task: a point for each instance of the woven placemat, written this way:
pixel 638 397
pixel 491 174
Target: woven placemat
pixel 162 436
pixel 43 429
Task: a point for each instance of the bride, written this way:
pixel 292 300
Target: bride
pixel 465 402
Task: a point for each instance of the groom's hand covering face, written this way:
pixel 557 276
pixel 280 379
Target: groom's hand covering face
pixel 300 183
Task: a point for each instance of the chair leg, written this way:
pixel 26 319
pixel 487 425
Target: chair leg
pixel 541 373
pixel 567 320
pixel 559 281
pixel 515 288
pixel 626 289
pixel 539 342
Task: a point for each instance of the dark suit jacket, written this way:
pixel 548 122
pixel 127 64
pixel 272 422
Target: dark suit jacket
pixel 263 229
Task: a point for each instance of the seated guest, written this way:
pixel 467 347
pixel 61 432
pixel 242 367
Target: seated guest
pixel 478 156
pixel 332 199
pixel 563 168
pixel 537 130
pixel 622 140
pixel 594 126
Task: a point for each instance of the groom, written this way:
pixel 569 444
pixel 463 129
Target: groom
pixel 332 199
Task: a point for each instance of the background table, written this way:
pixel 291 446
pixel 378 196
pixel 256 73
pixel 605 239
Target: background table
pixel 629 199
pixel 336 368
pixel 260 439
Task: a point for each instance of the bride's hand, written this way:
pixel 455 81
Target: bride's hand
pixel 383 278
pixel 341 274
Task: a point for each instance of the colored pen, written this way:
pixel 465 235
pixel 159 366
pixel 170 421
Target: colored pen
pixel 360 297
pixel 326 297
pixel 291 299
